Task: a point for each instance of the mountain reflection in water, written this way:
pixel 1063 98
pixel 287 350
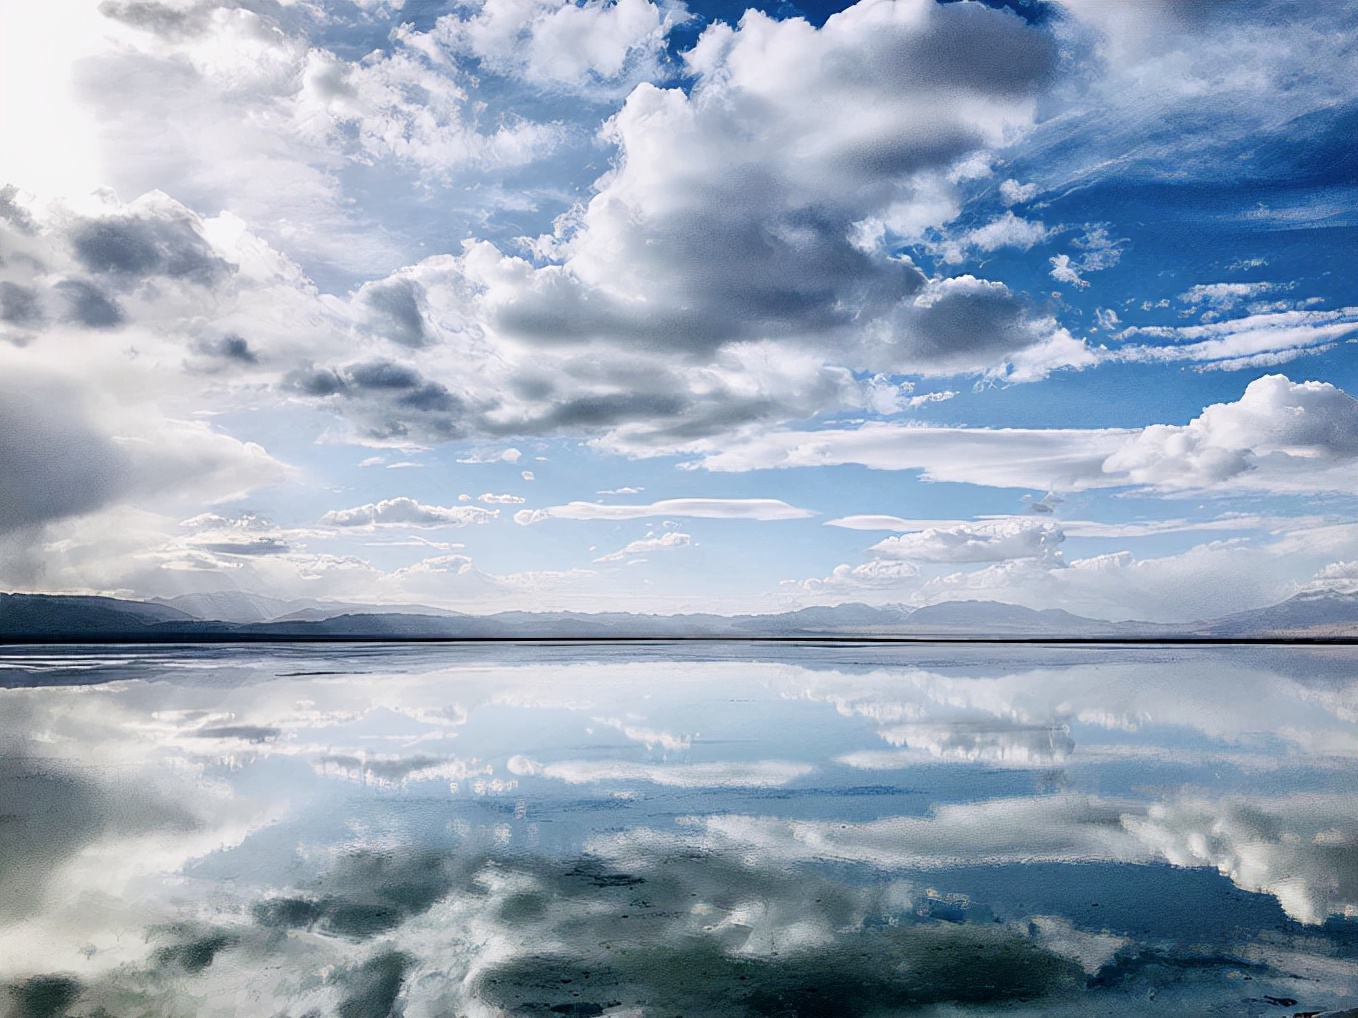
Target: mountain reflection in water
pixel 671 830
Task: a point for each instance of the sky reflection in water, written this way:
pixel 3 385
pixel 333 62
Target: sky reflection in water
pixel 678 831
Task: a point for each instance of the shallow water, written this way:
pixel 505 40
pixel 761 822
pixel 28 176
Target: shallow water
pixel 678 830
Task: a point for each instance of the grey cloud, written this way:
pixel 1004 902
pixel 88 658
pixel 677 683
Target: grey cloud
pixel 161 19
pixel 137 245
pixel 397 313
pixel 53 462
pixel 258 546
pixel 14 214
pixel 230 347
pixel 724 222
pixel 89 305
pixel 961 47
pixel 19 305
pixel 389 400
pixel 57 460
pixel 966 324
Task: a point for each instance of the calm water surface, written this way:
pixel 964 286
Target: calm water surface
pixel 678 831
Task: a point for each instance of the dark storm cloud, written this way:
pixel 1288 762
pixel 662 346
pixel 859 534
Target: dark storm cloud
pixel 136 246
pixel 89 305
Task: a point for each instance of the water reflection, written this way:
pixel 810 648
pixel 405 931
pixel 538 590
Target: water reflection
pixel 678 831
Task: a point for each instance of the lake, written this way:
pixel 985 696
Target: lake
pixel 678 830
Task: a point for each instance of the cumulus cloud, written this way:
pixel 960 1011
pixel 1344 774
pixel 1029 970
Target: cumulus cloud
pixel 404 511
pixel 696 508
pixel 1279 434
pixel 728 271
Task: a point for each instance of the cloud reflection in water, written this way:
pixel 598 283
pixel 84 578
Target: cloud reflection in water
pixel 590 830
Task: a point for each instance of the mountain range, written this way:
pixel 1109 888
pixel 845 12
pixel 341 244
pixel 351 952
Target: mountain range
pixel 232 615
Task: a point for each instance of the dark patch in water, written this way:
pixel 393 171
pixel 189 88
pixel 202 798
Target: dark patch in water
pixel 374 986
pixel 373 894
pixel 44 996
pixel 859 974
pixel 194 955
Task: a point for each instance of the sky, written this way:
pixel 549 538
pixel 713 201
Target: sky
pixel 681 307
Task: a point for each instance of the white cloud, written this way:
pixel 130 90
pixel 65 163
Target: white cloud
pixel 1014 193
pixel 1279 436
pixel 669 539
pixel 1223 296
pixel 504 456
pixel 1064 270
pixel 1303 850
pixel 490 499
pixel 1053 828
pixel 1093 528
pixel 696 508
pixel 1060 459
pixel 1205 581
pixel 1260 339
pixel 727 774
pixel 1007 231
pixel 1334 578
pixel 248 115
pixel 552 43
pixel 985 541
pixel 404 511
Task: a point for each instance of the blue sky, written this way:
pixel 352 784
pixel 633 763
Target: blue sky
pixel 681 307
